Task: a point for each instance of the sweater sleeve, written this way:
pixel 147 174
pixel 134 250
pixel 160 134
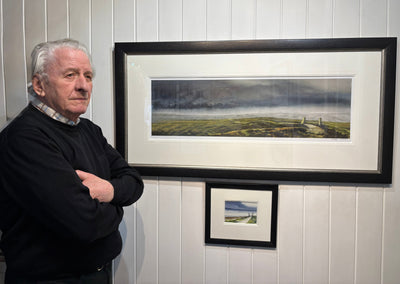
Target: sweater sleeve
pixel 40 180
pixel 127 183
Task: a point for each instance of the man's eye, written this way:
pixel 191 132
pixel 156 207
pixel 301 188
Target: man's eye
pixel 69 75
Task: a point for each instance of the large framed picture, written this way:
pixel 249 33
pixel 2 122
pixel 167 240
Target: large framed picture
pixel 240 214
pixel 290 110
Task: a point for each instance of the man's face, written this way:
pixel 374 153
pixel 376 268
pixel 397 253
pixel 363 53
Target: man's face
pixel 69 84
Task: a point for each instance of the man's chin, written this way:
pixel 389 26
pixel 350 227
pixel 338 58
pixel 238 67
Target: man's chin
pixel 76 114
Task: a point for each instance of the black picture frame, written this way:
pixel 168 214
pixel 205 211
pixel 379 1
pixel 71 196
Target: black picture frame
pixel 386 47
pixel 221 232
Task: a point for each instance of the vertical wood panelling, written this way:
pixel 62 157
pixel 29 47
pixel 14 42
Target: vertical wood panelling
pixel 219 26
pixel 319 21
pixel 265 266
pixel 370 200
pixel 35 29
pixel 373 17
pixel 102 42
pixel 14 57
pixel 268 19
pixel 346 18
pixel 193 232
pixel 170 20
pixel 79 29
pixel 79 21
pixel 169 232
pixel 243 19
pixel 393 7
pixel 147 234
pixel 316 234
pixel 391 249
pixel 391 233
pixel 57 19
pixel 294 16
pixel 342 234
pixel 194 20
pixel 369 235
pixel 129 265
pixel 290 235
pixel 240 266
pixel 216 265
pixel 124 20
pixel 125 272
pixel 147 20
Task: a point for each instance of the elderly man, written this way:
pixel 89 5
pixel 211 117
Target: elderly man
pixel 62 186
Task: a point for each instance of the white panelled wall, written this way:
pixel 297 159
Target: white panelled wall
pixel 327 233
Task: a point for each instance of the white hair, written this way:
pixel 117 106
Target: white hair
pixel 43 54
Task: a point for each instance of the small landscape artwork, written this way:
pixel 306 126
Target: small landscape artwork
pixel 240 212
pixel 252 107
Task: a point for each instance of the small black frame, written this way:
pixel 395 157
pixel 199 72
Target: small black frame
pixel 244 189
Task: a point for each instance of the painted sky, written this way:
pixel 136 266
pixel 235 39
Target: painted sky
pixel 233 93
pixel 241 206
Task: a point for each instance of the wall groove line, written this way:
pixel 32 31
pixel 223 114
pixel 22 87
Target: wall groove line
pixel 206 18
pixel 24 46
pixel 387 17
pixel 304 235
pixel 356 237
pixel 68 18
pixel 330 235
pixel 333 17
pixel 307 21
pixel 230 8
pixel 180 228
pixel 255 19
pixel 46 24
pixel 278 238
pixel 158 20
pixel 383 233
pixel 157 230
pixel 3 103
pixel 90 48
pixel 135 21
pixel 359 17
pixel 281 19
pixel 183 28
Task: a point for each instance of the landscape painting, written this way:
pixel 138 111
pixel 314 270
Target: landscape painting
pixel 309 107
pixel 240 212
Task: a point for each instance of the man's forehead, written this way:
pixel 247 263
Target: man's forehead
pixel 71 58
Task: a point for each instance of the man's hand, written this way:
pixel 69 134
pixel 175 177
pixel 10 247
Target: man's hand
pixel 99 188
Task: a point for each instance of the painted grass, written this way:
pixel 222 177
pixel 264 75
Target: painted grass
pixel 252 127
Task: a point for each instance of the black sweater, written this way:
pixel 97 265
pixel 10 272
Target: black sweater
pixel 50 224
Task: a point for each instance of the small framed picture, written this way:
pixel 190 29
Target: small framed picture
pixel 241 214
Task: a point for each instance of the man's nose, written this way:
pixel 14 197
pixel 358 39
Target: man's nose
pixel 82 83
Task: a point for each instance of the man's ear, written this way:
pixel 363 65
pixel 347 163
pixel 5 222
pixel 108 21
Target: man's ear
pixel 37 85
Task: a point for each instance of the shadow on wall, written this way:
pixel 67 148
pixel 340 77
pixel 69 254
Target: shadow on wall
pixel 124 264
